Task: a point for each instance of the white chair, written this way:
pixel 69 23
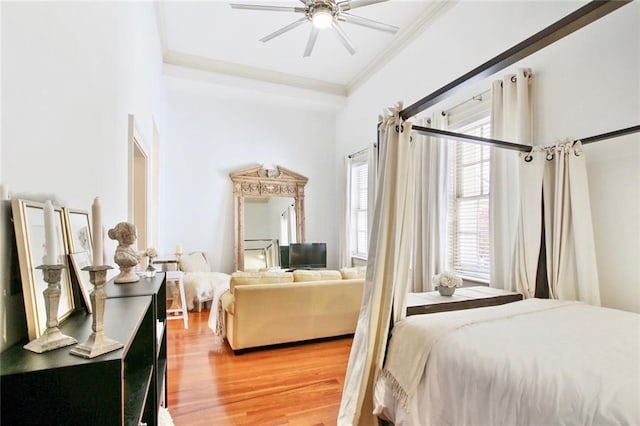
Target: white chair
pixel 175 311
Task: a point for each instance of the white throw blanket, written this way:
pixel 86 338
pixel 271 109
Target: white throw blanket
pixel 203 285
pixel 216 314
pixel 413 338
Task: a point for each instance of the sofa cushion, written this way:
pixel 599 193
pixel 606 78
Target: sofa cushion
pixel 303 275
pixel 351 273
pixel 248 278
pixel 194 262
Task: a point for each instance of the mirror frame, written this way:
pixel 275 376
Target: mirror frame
pixel 257 181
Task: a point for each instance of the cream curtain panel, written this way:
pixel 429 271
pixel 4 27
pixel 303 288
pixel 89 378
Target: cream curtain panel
pixel 557 175
pixel 529 233
pixel 570 246
pixel 372 185
pixel 431 204
pixel 345 247
pixel 511 121
pixel 387 277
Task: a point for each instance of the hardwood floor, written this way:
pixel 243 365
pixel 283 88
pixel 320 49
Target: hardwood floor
pixel 291 385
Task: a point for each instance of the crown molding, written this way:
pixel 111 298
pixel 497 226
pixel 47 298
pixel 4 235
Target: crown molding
pixel 220 67
pixel 404 38
pixel 256 91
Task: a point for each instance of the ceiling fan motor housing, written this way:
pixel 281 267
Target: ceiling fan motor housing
pixel 322 13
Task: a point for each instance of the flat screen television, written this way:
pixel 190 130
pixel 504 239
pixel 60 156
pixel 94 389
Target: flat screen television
pixel 284 256
pixel 307 255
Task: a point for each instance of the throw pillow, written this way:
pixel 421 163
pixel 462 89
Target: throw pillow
pixel 356 272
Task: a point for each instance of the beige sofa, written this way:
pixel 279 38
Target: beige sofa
pixel 267 308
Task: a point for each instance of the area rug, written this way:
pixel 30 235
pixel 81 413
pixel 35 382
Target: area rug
pixel 164 417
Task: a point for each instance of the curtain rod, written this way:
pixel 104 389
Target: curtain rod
pixel 361 151
pixel 610 135
pixel 445 134
pixel 479 97
pixel 585 15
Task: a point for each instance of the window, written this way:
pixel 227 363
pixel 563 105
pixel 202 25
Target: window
pixel 359 175
pixel 469 249
pixel 288 226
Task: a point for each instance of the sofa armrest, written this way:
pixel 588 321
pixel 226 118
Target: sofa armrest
pixel 227 300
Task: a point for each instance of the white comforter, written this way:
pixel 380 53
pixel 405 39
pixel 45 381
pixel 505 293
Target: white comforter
pixel 534 362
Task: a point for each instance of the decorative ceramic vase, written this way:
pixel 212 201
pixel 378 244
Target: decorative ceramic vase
pixel 446 291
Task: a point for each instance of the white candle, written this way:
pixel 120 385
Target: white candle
pixel 49 235
pixel 178 248
pixel 96 240
pixel 4 192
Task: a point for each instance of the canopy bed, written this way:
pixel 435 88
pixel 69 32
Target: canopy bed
pixel 465 355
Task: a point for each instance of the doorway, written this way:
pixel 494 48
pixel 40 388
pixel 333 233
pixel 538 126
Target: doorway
pixel 138 185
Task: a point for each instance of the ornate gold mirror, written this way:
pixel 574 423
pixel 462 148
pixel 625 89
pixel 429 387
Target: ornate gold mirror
pixel 259 187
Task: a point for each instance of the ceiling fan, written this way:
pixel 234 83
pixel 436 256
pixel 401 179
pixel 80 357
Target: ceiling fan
pixel 323 14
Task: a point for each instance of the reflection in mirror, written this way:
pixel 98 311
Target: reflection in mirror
pixel 267 221
pixel 260 255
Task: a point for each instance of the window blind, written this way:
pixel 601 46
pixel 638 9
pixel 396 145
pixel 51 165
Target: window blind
pixel 469 249
pixel 358 208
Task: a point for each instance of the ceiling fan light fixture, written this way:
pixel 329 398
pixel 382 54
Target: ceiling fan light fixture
pixel 322 17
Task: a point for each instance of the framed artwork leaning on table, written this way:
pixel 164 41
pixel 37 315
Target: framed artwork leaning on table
pixel 29 223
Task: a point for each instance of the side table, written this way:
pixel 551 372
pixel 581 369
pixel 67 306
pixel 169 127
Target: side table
pixel 464 298
pixel 175 311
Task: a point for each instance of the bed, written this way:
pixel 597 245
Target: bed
pixel 534 362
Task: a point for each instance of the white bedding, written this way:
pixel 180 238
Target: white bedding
pixel 559 364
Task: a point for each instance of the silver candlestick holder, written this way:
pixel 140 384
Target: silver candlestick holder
pixel 52 338
pixel 97 343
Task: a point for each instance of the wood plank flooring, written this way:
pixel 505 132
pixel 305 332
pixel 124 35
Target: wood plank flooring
pixel 290 385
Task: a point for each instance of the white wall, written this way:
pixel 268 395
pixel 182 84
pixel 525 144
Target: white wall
pixel 71 74
pixel 584 85
pixel 210 133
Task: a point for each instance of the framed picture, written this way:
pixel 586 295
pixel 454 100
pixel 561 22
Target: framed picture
pixel 78 230
pixel 28 218
pixel 80 260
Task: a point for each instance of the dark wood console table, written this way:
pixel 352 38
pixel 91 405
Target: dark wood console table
pixel 122 387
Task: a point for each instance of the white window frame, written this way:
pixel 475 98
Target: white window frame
pixel 472 119
pixel 358 208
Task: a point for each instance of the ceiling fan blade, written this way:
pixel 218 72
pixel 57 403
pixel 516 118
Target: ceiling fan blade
pixel 312 41
pixel 284 29
pixel 353 4
pixel 369 23
pixel 265 7
pixel 342 36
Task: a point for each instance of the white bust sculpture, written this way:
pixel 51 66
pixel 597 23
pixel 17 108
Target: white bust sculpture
pixel 126 256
